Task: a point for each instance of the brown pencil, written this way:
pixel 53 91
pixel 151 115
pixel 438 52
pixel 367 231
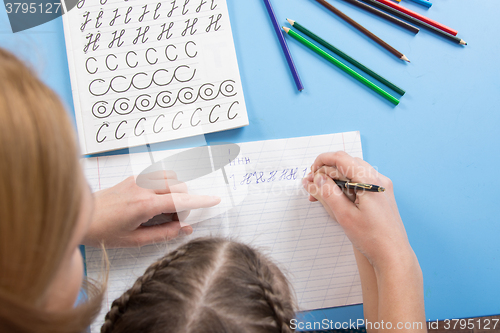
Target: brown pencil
pixel 384 15
pixel 363 30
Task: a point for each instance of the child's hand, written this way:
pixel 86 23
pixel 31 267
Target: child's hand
pixel 370 220
pixel 120 210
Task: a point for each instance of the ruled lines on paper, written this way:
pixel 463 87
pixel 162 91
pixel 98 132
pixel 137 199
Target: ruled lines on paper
pixel 269 210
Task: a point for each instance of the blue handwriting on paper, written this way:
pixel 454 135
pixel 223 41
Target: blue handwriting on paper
pixel 261 177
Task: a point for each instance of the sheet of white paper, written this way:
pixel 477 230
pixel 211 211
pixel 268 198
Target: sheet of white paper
pixel 270 211
pixel 161 70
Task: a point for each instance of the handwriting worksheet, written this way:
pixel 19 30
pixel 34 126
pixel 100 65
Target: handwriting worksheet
pixel 151 71
pixel 263 204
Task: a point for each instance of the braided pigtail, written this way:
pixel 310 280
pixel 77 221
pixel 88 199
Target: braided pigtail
pixel 280 303
pixel 268 291
pixel 209 285
pixel 119 306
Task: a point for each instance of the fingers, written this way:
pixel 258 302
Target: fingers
pixel 160 233
pixel 186 231
pixel 324 189
pixel 389 192
pixel 372 174
pixel 161 181
pixel 167 186
pixel 363 162
pixel 160 219
pixel 182 216
pixel 161 174
pixel 312 199
pixel 350 193
pixel 376 178
pixel 332 172
pixel 179 202
pixel 161 185
pixel 341 166
pixel 305 181
pixel 347 166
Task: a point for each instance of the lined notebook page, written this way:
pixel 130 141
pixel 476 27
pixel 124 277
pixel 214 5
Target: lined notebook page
pixel 264 205
pixel 151 71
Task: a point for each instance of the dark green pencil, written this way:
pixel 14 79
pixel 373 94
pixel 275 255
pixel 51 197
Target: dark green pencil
pixel 346 57
pixel 340 65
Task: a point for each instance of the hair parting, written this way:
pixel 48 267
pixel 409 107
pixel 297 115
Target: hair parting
pixel 207 285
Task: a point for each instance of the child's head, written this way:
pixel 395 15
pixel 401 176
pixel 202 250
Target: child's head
pixel 207 285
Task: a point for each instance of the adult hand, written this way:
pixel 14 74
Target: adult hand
pixel 370 220
pixel 121 210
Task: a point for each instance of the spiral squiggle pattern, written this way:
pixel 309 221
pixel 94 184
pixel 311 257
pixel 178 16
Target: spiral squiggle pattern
pixel 164 99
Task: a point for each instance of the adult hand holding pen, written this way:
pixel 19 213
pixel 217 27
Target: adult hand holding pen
pixel 390 274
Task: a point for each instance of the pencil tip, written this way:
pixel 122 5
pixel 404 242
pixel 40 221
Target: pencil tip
pixel 286 29
pixel 290 21
pixel 405 58
pixel 463 42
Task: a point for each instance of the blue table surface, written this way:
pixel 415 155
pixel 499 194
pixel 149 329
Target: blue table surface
pixel 438 146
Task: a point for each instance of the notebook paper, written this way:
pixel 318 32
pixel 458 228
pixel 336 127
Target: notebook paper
pixel 264 205
pixel 154 70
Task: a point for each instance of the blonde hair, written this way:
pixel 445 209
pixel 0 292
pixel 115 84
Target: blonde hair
pixel 40 200
pixel 209 285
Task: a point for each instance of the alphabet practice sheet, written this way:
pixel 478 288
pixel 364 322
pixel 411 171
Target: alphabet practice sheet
pixel 151 71
pixel 263 204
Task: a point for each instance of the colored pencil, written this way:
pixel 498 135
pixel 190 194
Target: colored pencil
pixel 419 17
pixel 365 31
pixel 424 3
pixel 415 21
pixel 340 65
pixel 284 46
pixel 384 15
pixel 346 57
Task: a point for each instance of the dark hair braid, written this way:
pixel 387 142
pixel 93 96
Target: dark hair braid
pixel 119 306
pixel 281 305
pixel 209 285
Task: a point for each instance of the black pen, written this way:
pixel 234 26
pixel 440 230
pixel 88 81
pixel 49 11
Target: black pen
pixel 359 186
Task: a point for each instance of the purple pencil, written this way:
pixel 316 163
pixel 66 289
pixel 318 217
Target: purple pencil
pixel 284 46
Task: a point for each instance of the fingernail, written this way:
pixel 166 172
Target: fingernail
pixel 185 232
pixel 320 180
pixel 215 198
pixel 305 182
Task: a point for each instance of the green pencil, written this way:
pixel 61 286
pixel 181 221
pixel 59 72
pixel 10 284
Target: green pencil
pixel 344 56
pixel 340 65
